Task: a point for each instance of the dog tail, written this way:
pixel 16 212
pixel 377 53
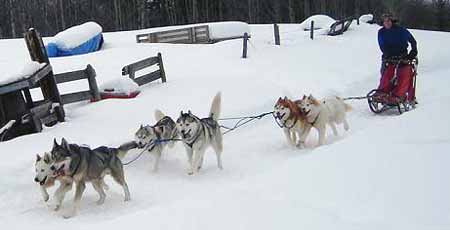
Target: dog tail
pixel 124 148
pixel 348 108
pixel 159 115
pixel 214 113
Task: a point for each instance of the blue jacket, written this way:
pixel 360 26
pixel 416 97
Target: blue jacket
pixel 394 41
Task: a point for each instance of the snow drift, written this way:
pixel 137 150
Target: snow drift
pixel 322 24
pixel 366 18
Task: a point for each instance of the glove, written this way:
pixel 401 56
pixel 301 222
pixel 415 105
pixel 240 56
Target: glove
pixel 412 55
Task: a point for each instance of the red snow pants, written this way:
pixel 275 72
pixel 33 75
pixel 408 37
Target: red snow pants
pixel 402 85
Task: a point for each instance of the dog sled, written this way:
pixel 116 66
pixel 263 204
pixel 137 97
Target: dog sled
pixel 382 100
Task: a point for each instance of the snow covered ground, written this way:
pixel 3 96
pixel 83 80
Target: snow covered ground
pixel 387 172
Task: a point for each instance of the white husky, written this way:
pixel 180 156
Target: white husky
pixel 198 134
pixel 330 111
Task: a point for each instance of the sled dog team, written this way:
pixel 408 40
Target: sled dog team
pixel 75 164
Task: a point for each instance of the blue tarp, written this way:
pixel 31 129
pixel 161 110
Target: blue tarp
pixel 91 45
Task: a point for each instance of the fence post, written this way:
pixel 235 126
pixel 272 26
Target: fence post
pixel 90 72
pixel 161 68
pixel 244 52
pixel 312 30
pixel 357 21
pixel 276 31
pixel 38 53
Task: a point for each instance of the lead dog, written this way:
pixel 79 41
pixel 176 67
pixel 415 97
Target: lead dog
pixel 157 137
pixel 319 114
pixel 291 119
pixel 91 165
pixel 46 177
pixel 198 134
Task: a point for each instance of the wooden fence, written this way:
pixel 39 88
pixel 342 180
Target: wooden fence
pixel 131 70
pixel 192 35
pixel 89 74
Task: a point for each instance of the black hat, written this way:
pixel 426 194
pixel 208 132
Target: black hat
pixel 389 16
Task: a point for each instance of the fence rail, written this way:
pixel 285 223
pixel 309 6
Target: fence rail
pixel 192 35
pixel 91 94
pixel 131 70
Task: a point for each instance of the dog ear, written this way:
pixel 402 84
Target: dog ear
pixel 141 126
pixel 65 144
pixel 304 97
pixel 54 142
pixel 159 129
pixel 181 113
pixel 189 112
pixel 46 158
pixel 38 158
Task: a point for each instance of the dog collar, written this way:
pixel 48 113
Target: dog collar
pixel 315 120
pixel 190 144
pixel 290 127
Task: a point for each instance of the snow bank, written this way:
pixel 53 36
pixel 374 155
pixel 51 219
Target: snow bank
pixel 120 86
pixel 28 69
pixel 322 24
pixel 221 30
pixel 366 18
pixel 77 35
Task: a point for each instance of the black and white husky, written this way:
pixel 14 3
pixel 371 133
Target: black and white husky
pixel 198 134
pixel 157 137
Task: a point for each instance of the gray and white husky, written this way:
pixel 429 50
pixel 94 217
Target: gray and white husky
pixel 198 134
pixel 157 137
pixel 91 165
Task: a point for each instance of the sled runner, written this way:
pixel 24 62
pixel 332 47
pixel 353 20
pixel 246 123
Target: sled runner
pixel 402 82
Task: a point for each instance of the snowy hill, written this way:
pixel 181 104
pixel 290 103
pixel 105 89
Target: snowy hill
pixel 387 172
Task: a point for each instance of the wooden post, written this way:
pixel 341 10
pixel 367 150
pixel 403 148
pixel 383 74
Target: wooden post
pixel 131 72
pixel 357 21
pixel 38 53
pixel 161 68
pixel 191 35
pixel 244 52
pixel 312 30
pixel 276 31
pixel 194 35
pixel 36 46
pixel 90 72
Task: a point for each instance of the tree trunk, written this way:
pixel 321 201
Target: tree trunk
pixel 277 11
pixel 194 11
pixel 291 8
pixel 12 18
pixel 307 8
pixel 117 15
pixel 61 15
